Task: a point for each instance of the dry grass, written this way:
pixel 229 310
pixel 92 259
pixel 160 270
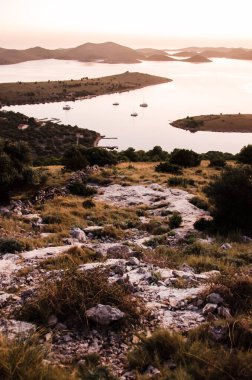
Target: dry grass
pixel 70 295
pixel 21 360
pixel 196 358
pixel 74 257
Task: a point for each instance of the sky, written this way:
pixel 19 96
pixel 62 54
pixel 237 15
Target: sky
pixel 135 23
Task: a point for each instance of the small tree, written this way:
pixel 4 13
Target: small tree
pixel 185 158
pixel 245 155
pixel 231 196
pixel 15 169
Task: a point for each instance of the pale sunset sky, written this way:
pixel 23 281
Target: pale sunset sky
pixel 135 23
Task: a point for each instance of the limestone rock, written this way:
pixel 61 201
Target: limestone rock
pixel 209 308
pixel 214 298
pixel 77 233
pixel 104 314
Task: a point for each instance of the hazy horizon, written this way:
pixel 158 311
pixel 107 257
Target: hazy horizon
pixel 60 24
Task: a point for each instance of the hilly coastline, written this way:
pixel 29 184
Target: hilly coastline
pixel 110 52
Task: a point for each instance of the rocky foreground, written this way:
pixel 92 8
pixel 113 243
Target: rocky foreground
pixel 172 298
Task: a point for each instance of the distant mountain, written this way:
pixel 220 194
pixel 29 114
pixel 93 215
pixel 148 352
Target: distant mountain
pixel 109 52
pixel 196 59
pixel 219 52
pixel 149 51
pixel 159 57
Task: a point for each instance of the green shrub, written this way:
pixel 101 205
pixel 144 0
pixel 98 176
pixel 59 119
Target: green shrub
pixel 199 202
pixel 185 158
pixel 180 181
pixel 217 162
pixel 203 224
pixel 79 188
pixel 231 197
pixel 166 167
pixel 175 220
pixel 245 155
pixel 88 204
pixel 8 245
pixel 79 157
pixel 52 219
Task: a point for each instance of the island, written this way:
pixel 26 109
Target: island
pixel 46 138
pixel 70 90
pixel 216 123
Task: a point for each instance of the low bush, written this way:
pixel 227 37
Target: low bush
pixel 230 194
pixel 180 181
pixel 185 158
pixel 199 202
pixel 175 220
pixel 81 189
pixel 51 219
pixel 69 296
pixel 245 155
pixel 166 167
pixel 8 245
pixel 217 162
pixel 88 204
pixel 203 224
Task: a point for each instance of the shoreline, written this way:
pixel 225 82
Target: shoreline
pixel 222 123
pixel 28 93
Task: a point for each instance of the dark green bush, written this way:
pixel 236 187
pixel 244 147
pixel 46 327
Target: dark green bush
pixel 11 245
pixel 217 162
pixel 180 181
pixel 185 158
pixel 231 197
pixel 81 189
pixel 51 219
pixel 175 220
pixel 88 204
pixel 79 157
pixel 245 155
pixel 166 167
pixel 203 224
pixel 200 203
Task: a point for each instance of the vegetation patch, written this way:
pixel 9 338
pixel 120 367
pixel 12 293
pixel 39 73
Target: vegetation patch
pixel 69 296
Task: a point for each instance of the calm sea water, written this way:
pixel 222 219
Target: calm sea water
pixel 221 86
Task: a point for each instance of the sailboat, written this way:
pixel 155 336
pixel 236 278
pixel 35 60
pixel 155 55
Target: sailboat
pixel 144 105
pixel 66 107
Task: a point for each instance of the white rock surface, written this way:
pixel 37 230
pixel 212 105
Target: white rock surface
pixel 104 314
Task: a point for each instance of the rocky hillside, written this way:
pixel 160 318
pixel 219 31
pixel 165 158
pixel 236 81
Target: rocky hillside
pixel 118 265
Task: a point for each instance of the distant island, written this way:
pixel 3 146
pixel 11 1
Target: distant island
pixel 218 52
pixel 216 123
pixel 67 90
pixel 110 52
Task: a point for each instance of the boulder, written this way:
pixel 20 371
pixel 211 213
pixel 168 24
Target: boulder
pixel 209 308
pixel 133 261
pixel 78 234
pixel 104 314
pixel 214 298
pixel 224 312
pixel 119 251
